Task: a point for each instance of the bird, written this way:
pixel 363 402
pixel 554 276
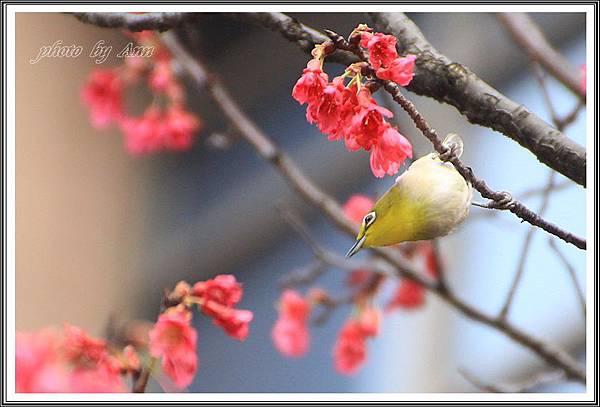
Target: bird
pixel 427 201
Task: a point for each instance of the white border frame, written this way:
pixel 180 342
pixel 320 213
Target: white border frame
pixel 11 11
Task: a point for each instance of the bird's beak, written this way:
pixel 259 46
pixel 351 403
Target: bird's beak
pixel 357 246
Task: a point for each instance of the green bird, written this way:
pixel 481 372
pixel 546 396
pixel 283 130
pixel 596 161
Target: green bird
pixel 427 201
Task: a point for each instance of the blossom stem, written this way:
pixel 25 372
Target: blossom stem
pixel 140 385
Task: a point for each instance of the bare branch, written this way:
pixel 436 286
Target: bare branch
pixel 328 306
pixel 572 273
pixel 520 387
pixel 304 275
pixel 533 41
pixel 525 250
pixel 560 122
pixel 268 151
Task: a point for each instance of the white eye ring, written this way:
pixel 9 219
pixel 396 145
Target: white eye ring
pixel 369 219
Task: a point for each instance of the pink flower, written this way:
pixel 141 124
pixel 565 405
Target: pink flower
pixel 161 76
pixel 430 259
pixel 400 70
pixel 94 370
pixel 357 207
pixel 181 290
pixel 370 321
pixel 389 153
pixel 37 365
pixel 217 299
pixel 131 360
pixel 311 84
pixel 179 129
pixel 290 337
pixel 367 124
pixel 294 306
pixel 223 289
pixel 382 48
pixel 104 378
pixel 326 113
pixel 350 349
pixel 144 134
pixel 235 322
pixel 75 363
pixel 348 108
pixel 408 295
pixel 290 333
pixel 81 348
pixel 358 277
pixel 102 93
pixel 174 340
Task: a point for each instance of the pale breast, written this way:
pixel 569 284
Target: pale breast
pixel 441 194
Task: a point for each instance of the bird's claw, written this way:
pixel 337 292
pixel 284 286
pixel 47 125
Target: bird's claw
pixel 504 202
pixel 449 153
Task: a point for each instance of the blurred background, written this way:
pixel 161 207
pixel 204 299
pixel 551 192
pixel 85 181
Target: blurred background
pixel 100 233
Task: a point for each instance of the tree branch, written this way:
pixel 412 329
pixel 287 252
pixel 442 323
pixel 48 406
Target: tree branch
pixel 449 82
pixel 268 151
pixel 533 41
pixel 137 22
pixel 436 76
pixel 572 273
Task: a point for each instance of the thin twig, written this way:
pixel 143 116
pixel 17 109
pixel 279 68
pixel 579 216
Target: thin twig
pixel 530 37
pixel 525 251
pixel 559 122
pixel 520 387
pixel 269 151
pixel 330 305
pixel 304 275
pixel 328 257
pixel 439 266
pixel 501 200
pixel 572 273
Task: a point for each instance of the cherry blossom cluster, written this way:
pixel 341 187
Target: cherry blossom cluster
pixel 173 339
pixel 347 111
pixel 290 333
pixel 165 124
pixel 71 361
pixel 74 362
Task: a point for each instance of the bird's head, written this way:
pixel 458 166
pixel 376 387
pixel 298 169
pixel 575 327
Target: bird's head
pixel 363 234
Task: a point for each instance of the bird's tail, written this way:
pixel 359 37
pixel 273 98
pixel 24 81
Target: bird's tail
pixel 454 141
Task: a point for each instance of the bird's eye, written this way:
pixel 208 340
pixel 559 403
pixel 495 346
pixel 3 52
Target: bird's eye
pixel 369 218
